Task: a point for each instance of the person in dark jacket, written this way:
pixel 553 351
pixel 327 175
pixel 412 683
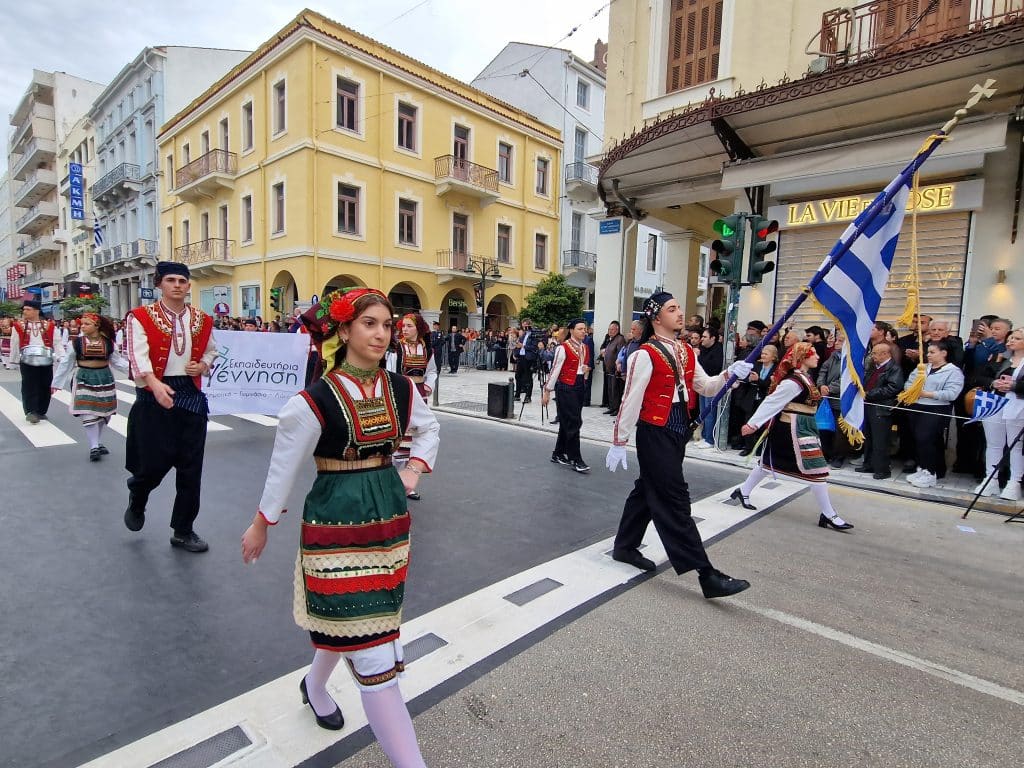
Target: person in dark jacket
pixel 454 343
pixel 834 444
pixel 712 359
pixel 748 394
pixel 613 342
pixel 588 342
pixel 883 383
pixel 525 353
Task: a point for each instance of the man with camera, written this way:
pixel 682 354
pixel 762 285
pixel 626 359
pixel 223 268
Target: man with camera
pixel 526 354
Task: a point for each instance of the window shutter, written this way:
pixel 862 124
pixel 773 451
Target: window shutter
pixel 695 35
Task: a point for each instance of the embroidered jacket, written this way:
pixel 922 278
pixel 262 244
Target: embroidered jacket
pixel 158 335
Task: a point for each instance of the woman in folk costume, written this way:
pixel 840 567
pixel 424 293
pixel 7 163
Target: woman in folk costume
pixel 86 367
pixel 354 542
pixel 415 360
pixel 569 371
pixel 792 446
pixel 6 329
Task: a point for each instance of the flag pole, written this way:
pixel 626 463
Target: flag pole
pixel 841 248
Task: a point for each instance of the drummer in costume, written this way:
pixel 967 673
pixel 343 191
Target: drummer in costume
pixel 415 360
pixel 86 368
pixel 354 540
pixel 170 346
pixel 34 345
pixel 662 377
pixel 792 444
pixel 569 371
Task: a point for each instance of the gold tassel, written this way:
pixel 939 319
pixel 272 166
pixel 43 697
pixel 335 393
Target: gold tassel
pixel 910 309
pixel 853 435
pixel 913 393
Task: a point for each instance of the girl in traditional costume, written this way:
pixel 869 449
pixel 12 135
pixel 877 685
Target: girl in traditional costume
pixel 416 361
pixel 6 329
pixel 354 543
pixel 792 446
pixel 86 367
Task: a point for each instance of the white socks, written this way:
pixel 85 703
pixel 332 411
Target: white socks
pixel 389 719
pixel 92 431
pixel 319 673
pixel 819 490
pixel 756 476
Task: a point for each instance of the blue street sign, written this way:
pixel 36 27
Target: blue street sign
pixel 610 226
pixel 75 168
pixel 146 293
pixel 78 214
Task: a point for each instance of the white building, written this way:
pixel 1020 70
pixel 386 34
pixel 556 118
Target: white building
pixel 75 235
pixel 158 83
pixel 6 230
pixel 567 92
pixel 52 104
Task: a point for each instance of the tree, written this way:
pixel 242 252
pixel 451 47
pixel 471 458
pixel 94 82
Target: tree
pixel 10 309
pixel 553 302
pixel 76 305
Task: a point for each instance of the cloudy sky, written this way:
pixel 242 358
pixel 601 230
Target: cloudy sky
pixel 95 40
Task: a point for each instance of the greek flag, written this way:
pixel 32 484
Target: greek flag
pixel 851 292
pixel 97 232
pixel 987 404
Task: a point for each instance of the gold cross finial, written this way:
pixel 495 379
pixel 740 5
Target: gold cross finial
pixel 981 91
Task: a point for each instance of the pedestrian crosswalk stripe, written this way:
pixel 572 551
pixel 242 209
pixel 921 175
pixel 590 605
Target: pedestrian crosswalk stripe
pixel 255 418
pixel 117 423
pixel 211 426
pixel 41 435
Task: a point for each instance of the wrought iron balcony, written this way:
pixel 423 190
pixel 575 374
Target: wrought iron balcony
pixel 457 261
pixel 581 260
pixel 41 277
pixel 39 216
pixel 117 184
pixel 581 181
pixel 125 257
pixel 454 175
pixel 37 246
pixel 205 176
pixel 38 184
pixel 206 258
pixel 852 34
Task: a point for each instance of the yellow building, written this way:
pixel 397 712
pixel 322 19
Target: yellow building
pixel 326 159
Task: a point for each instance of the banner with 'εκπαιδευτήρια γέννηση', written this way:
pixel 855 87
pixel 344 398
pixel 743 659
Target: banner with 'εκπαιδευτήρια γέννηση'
pixel 255 372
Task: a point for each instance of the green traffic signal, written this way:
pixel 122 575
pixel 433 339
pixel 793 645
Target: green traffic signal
pixel 728 249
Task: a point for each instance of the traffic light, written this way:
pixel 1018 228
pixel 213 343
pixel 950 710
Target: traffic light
pixel 275 299
pixel 761 229
pixel 728 249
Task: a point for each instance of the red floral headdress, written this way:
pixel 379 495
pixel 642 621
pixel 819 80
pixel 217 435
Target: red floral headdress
pixel 337 307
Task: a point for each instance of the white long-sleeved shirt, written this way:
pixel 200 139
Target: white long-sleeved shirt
pixel 35 339
pixel 63 373
pixel 138 347
pixel 430 376
pixel 299 430
pixel 638 375
pixel 772 405
pixel 558 361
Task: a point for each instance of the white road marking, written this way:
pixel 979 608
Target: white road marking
pixel 255 418
pixel 117 423
pixel 41 435
pixel 211 426
pixel 889 654
pixel 475 627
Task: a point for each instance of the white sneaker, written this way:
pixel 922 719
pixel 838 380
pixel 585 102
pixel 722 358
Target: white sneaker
pixel 913 476
pixel 703 446
pixel 1012 491
pixel 991 490
pixel 924 479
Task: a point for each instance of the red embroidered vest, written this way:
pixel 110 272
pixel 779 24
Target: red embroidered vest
pixel 571 364
pixel 658 395
pixel 23 335
pixel 158 334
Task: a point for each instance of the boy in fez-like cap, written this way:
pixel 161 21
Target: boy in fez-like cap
pixel 33 348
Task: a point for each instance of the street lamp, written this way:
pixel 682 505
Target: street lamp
pixel 485 267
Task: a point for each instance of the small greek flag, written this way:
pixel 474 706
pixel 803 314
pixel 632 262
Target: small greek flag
pixel 97 232
pixel 987 404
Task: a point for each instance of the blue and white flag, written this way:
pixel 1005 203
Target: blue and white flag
pixel 97 232
pixel 851 291
pixel 987 404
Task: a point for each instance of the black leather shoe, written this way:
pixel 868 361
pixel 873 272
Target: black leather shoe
pixel 634 558
pixel 190 542
pixel 743 500
pixel 827 522
pixel 613 413
pixel 95 454
pixel 909 466
pixel 103 450
pixel 863 469
pixel 717 584
pixel 882 475
pixel 560 458
pixel 332 722
pixel 134 516
pixel 745 452
pixel 32 418
pixel 836 464
pixel 413 495
pixel 581 467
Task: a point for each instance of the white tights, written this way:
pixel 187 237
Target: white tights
pixel 93 432
pixel 818 490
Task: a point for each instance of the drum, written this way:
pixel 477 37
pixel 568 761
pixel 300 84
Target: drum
pixel 37 356
pixel 969 398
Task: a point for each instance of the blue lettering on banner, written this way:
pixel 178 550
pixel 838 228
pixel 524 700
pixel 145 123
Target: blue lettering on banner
pixel 76 187
pixel 610 226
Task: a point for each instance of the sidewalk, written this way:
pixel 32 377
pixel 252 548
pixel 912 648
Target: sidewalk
pixel 465 393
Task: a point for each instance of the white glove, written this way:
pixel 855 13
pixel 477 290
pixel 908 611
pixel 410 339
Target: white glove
pixel 740 369
pixel 616 455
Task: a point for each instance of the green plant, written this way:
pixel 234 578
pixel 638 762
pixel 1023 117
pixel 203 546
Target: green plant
pixel 553 302
pixel 10 309
pixel 76 305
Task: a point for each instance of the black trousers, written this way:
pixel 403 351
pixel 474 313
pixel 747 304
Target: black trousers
pixel 970 443
pixel 35 388
pixel 930 435
pixel 453 361
pixel 661 495
pixel 618 385
pixel 569 407
pixel 524 377
pixel 877 431
pixel 160 439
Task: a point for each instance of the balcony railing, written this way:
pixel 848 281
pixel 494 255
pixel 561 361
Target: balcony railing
pixel 584 260
pixel 121 173
pixel 580 171
pixel 204 251
pixel 35 246
pixel 860 32
pixel 41 277
pixel 38 215
pixel 450 167
pixel 33 153
pixel 37 184
pixel 145 248
pixel 449 258
pixel 214 161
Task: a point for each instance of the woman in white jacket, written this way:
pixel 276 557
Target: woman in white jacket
pixel 930 417
pixel 1002 428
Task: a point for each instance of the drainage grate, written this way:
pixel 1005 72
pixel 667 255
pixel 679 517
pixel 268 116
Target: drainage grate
pixel 467 405
pixel 422 646
pixel 532 591
pixel 209 752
